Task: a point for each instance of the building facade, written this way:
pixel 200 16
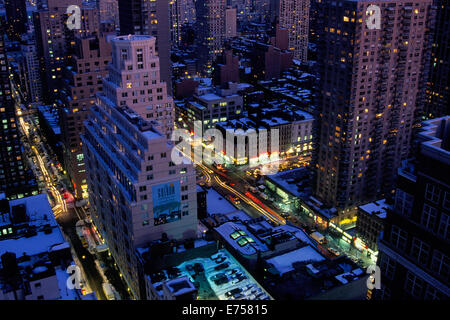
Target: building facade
pixel 414 250
pixel 134 80
pixel 438 86
pixel 16 179
pixel 138 194
pixel 371 83
pixel 83 79
pixel 210 31
pixel 294 16
pixel 55 41
pixel 17 18
pixel 146 17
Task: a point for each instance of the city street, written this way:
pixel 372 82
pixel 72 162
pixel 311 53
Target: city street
pixel 237 183
pixel 57 186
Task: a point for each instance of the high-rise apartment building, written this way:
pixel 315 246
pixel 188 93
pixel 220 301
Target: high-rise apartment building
pixel 83 79
pixel 138 194
pixel 437 104
pixel 210 31
pixel 371 82
pixel 134 80
pixel 175 22
pixel 32 75
pixel 55 40
pixel 16 179
pixel 294 16
pixel 230 22
pixel 414 252
pixel 145 17
pixel 17 19
pixel 109 11
pixel 187 11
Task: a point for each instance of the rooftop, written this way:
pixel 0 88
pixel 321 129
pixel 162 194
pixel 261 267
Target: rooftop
pixel 435 139
pixel 284 263
pixel 213 272
pixel 378 208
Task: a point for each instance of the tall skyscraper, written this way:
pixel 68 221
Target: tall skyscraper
pixel 230 22
pixel 16 179
pixel 371 82
pixel 32 76
pixel 83 79
pixel 175 22
pixel 137 192
pixel 145 17
pixel 294 16
pixel 55 40
pixel 134 80
pixel 109 11
pixel 414 253
pixel 437 104
pixel 210 30
pixel 17 19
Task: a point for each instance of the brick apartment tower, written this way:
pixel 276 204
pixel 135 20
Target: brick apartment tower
pixel 137 192
pixel 55 41
pixel 414 252
pixel 371 82
pixel 294 16
pixel 134 80
pixel 83 79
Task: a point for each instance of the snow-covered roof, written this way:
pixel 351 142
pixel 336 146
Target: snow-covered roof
pixel 215 203
pixel 240 238
pixel 283 263
pixel 378 208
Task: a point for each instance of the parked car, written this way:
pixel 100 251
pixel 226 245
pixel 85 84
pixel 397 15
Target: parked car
pixel 232 292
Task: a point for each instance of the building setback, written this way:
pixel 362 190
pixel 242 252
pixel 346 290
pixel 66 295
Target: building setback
pixel 54 40
pixel 414 251
pixel 138 194
pixel 141 17
pixel 371 82
pixel 134 80
pixel 83 79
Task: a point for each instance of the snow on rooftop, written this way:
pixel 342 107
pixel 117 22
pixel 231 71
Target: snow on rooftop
pixel 377 208
pixel 34 245
pixel 238 236
pixel 180 286
pixel 66 293
pixel 283 263
pixel 215 203
pixel 210 97
pixel 297 232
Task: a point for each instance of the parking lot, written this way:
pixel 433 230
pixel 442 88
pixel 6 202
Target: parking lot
pixel 226 277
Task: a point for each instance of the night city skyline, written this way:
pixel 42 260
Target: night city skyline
pixel 261 151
